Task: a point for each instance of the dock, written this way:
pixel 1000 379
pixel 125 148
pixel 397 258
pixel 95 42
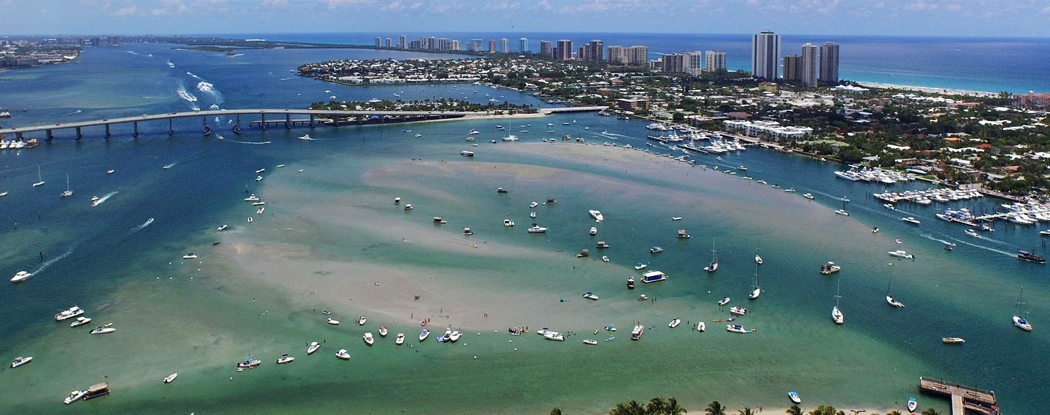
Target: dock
pixel 963 398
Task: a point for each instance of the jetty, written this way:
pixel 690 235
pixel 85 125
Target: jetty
pixel 963 398
pixel 277 117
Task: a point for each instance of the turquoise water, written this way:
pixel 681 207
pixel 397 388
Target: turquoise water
pixel 200 318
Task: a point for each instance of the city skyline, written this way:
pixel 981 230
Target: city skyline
pixel 951 18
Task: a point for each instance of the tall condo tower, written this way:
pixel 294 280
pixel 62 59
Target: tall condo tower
pixel 765 52
pixel 523 45
pixel 809 65
pixel 714 61
pixel 829 63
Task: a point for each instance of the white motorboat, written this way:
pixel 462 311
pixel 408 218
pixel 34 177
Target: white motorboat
pixel 171 378
pixel 312 348
pixel 590 296
pixel 594 231
pixel 637 332
pixel 190 255
pixel 252 198
pixel 590 342
pixel 103 329
pixel 537 229
pixel 467 231
pixel 68 314
pixel 260 171
pixel 259 204
pixel 532 215
pixel 630 283
pixel 640 266
pixel 382 331
pixel 342 354
pixel 829 268
pixel 655 250
pixel 285 359
pixel 913 405
pixel 361 321
pixel 510 137
pixel 400 339
pixel 952 340
pixel 508 223
pixel 466 153
pixel 223 227
pixel 597 215
pixel 258 178
pixel 368 339
pixel 794 397
pixel 19 361
pixel 723 301
pixel 533 205
pixel 110 171
pixel 972 233
pixel 700 326
pixel 682 235
pixel 80 321
pixel 74 396
pixel 248 363
pixel 605 258
pixel 674 323
pixel 738 311
pixel 424 334
pixel 910 220
pixel 676 218
pixel 21 276
pixel 280 166
pixel 333 322
pixel 901 254
pixel 842 212
pixel 454 336
pixel 305 137
pixel 260 211
pixel 736 328
pixel 554 336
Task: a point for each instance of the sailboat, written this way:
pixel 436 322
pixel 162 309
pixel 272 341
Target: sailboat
pixel 38 177
pixel 836 314
pixel 714 259
pixel 1020 321
pixel 889 298
pixel 757 291
pixel 68 192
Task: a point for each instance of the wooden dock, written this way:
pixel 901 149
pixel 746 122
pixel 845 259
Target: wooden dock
pixel 963 398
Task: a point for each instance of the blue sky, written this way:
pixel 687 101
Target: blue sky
pixel 841 17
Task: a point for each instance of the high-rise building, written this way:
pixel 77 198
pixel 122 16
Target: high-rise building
pixel 431 43
pixel 715 61
pixel 564 51
pixel 474 45
pixel 545 49
pixel 693 62
pixel 455 46
pixel 637 55
pixel 592 51
pixel 389 43
pixel 765 54
pixel 792 68
pixel 404 43
pixel 379 42
pixel 504 45
pixel 492 46
pixel 617 55
pixel 810 63
pixel 415 45
pixel 523 45
pixel 829 63
pixel 672 63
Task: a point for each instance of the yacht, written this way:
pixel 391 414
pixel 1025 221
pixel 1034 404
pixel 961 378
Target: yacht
pixel 630 283
pixel 1020 321
pixel 714 259
pixel 653 276
pixel 953 340
pixel 68 192
pixel 333 322
pixel 736 328
pixel 842 212
pixel 723 301
pixel 972 233
pixel 829 268
pixel 400 339
pixel 638 331
pixel 836 314
pixel 655 250
pixel 382 331
pixel 596 215
pixel 68 314
pixel 590 296
pixel 640 266
pixel 368 339
pixel 1031 257
pixel 808 196
pixel 80 321
pixel 910 220
pixel 361 321
pixel 590 342
pixel 190 255
pixel 312 348
pixel 424 334
pixel 794 397
pixel 738 311
pixel 594 231
pixel 223 227
pixel 171 378
pixel 19 361
pixel 285 359
pixel 510 137
pixel 21 276
pixel 508 223
pixel 901 254
pixel 554 336
pixel 674 322
pixel 74 396
pixel 454 336
pixel 252 198
pixel 537 229
pixel 103 329
pixel 342 354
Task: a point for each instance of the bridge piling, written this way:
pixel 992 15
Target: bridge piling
pixel 50 135
pixel 171 126
pixel 107 130
pixel 287 121
pixel 311 121
pixel 136 131
pixel 79 135
pixel 263 123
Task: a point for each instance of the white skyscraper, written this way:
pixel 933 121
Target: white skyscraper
pixel 810 68
pixel 715 60
pixel 693 62
pixel 765 54
pixel 523 45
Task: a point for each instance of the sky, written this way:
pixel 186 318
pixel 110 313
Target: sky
pixel 953 18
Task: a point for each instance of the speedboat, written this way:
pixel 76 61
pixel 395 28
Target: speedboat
pixel 103 329
pixel 808 196
pixel 630 283
pixel 723 301
pixel 638 331
pixel 655 250
pixel 19 361
pixel 21 276
pixel 508 223
pixel 605 258
pixel 594 231
pixel 533 205
pixel 313 348
pixel 893 302
pixel 700 326
pixel 901 254
pixel 285 359
pixel 591 342
pixel 342 354
pixel 674 323
pixel 305 137
pixel 953 340
pixel 912 405
pixel 910 220
pixel 74 396
pixel 736 328
pixel 424 334
pixel 972 233
pixel 80 321
pixel 68 314
pixel 333 322
pixel 532 215
pixel 171 378
pixel 842 212
pixel 382 331
pixel 400 339
pixel 454 336
pixel 597 215
pixel 554 336
pixel 190 255
pixel 260 171
pixel 252 198
pixel 537 229
pixel 676 218
pixel 368 339
pixel 361 321
pixel 738 311
pixel 590 296
pixel 640 266
pixel 829 268
pixel 223 227
pixel 467 231
pixel 794 397
pixel 466 153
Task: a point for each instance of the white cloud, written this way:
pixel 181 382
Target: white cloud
pixel 921 5
pixel 543 4
pixel 1045 10
pixel 127 11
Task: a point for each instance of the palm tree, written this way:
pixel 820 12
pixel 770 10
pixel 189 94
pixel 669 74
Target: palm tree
pixel 715 408
pixel 635 408
pixel 796 410
pixel 620 409
pixel 894 412
pixel 556 411
pixel 826 410
pixel 656 406
pixel 931 411
pixel 672 407
pixel 746 411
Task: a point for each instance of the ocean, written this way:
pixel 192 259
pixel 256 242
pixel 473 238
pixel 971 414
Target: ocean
pixel 330 231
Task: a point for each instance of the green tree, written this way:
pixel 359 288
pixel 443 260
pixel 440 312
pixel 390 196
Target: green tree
pixel 672 408
pixel 656 406
pixel 931 411
pixel 620 409
pixel 746 411
pixel 556 411
pixel 894 412
pixel 715 408
pixel 796 410
pixel 635 408
pixel 826 410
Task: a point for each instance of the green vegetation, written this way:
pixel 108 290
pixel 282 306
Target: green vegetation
pixel 439 105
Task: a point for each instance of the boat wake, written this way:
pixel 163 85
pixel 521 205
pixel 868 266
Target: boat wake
pixel 132 231
pixel 257 143
pixel 170 165
pixel 285 79
pixel 986 248
pixel 209 88
pixel 103 199
pixel 51 261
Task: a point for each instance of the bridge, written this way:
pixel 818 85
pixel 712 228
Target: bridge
pixel 278 117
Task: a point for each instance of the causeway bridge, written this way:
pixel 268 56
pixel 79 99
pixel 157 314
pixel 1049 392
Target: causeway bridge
pixel 267 118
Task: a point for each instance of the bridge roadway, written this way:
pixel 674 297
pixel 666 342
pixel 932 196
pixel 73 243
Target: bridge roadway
pixel 286 114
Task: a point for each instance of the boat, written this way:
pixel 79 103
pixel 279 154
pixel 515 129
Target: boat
pixel 171 378
pixel 1020 314
pixel 537 229
pixel 260 170
pixel 553 336
pixel 655 250
pixel 674 323
pixel 640 266
pixel 653 276
pixel 590 296
pixel 642 297
pixel 533 205
pixel 454 336
pixel 74 396
pixel 466 153
pixel 103 329
pixel 901 254
pixel 723 301
pixel 508 223
pixel 912 405
pixel 602 245
pixel 80 321
pixel 889 299
pixel 342 354
pixel 467 231
pixel 842 212
pixel 223 227
pixel 972 233
pixel 97 390
pixel 638 331
pixel 400 339
pixel 312 348
pixel 501 190
pixel 736 328
pixel 510 137
pixel 794 397
pixel 1031 257
pixel 605 258
pixel 758 260
pixel 757 291
pixel 808 196
pixel 738 311
pixel 68 314
pixel 361 321
pixel 252 198
pixel 285 359
pixel 953 340
pixel 682 234
pixel 190 255
pixel 714 259
pixel 250 219
pixel 700 326
pixel 333 322
pixel 368 339
pixel 39 177
pixel 910 220
pixel 596 215
pixel 408 206
pixel 19 361
pixel 68 192
pixel 593 231
pixel 590 342
pixel 21 276
pixel 280 166
pixel 382 331
pixel 836 314
pixel 829 268
pixel 532 215
pixel 424 334
pixel 630 283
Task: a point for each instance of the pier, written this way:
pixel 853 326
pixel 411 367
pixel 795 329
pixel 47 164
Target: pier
pixel 963 398
pixel 277 118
